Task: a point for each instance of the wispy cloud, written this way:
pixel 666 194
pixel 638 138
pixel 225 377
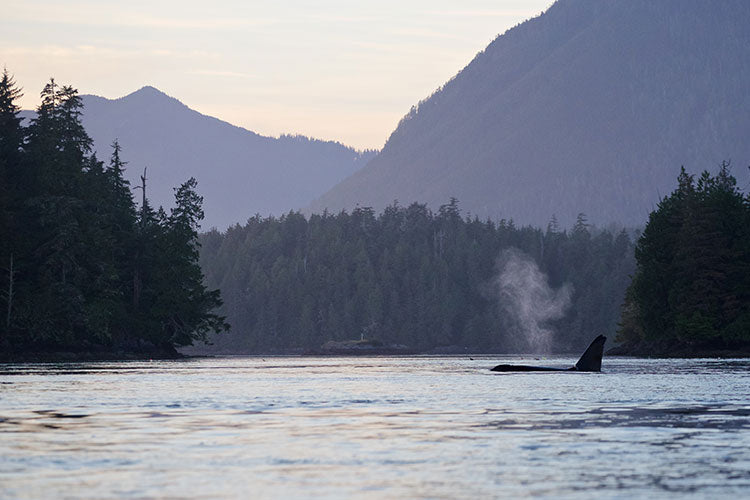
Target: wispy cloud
pixel 83 50
pixel 334 18
pixel 222 73
pixel 428 33
pixel 115 16
pixel 413 49
pixel 482 13
pixel 197 24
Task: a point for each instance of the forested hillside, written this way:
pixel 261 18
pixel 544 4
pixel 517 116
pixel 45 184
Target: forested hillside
pixel 691 291
pixel 593 106
pixel 242 173
pixel 81 270
pixel 410 276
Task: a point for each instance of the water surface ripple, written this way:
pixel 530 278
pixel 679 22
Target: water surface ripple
pixel 385 427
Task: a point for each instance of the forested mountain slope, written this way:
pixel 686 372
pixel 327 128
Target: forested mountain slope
pixel 591 107
pixel 241 173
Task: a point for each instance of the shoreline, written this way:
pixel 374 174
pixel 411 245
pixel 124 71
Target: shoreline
pixel 86 356
pixel 349 348
pixel 74 357
pixel 643 350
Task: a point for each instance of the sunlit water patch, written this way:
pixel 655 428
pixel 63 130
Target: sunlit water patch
pixel 413 427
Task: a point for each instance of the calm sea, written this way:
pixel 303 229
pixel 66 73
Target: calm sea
pixel 385 427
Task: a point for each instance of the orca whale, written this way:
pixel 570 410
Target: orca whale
pixel 591 361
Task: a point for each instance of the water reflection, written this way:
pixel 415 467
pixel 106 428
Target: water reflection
pixel 378 427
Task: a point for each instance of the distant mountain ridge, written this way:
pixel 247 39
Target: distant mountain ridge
pixel 591 107
pixel 240 173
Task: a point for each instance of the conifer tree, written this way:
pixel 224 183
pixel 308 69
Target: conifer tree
pixel 11 141
pixel 57 146
pixel 691 287
pixel 407 276
pixel 120 221
pixel 84 271
pixel 184 304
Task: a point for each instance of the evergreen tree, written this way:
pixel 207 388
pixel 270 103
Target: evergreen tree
pixel 57 145
pixel 406 276
pixel 119 218
pixel 84 271
pixel 183 302
pixel 691 287
pixel 11 141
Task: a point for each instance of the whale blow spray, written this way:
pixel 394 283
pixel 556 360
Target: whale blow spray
pixel 528 300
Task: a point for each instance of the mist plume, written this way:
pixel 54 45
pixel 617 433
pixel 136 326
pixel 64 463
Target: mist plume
pixel 528 301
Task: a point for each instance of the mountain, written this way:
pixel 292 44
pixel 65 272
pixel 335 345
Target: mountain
pixel 239 172
pixel 591 107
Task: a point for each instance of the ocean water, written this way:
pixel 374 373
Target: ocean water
pixel 381 427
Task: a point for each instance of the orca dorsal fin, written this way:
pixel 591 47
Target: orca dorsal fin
pixel 591 361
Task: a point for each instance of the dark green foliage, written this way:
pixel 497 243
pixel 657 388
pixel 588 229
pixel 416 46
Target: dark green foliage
pixel 183 303
pixel 406 276
pixel 78 249
pixel 11 141
pixel 692 285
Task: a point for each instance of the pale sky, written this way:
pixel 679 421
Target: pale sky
pixel 336 70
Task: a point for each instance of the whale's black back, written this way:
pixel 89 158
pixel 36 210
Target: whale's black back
pixel 591 361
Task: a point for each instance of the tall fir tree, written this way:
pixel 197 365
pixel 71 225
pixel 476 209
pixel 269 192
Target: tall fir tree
pixel 57 148
pixel 185 303
pixel 11 142
pixel 119 219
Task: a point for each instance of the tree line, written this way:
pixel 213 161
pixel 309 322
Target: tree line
pixel 691 290
pixel 81 267
pixel 404 276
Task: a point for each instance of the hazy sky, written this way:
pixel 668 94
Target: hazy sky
pixel 340 70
